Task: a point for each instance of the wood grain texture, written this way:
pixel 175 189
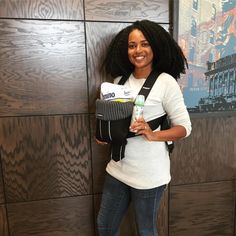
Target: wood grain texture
pixel 45 157
pixel 59 217
pixel 100 158
pixel 99 36
pixel 42 9
pixel 42 67
pixel 131 10
pixel 128 226
pixel 202 209
pixel 2 198
pixel 208 154
pixel 3 221
pixel 163 216
pixel 234 207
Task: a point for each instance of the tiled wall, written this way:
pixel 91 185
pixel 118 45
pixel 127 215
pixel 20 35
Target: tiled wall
pixel 52 171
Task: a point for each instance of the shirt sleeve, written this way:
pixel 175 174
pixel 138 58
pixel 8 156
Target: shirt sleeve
pixel 173 103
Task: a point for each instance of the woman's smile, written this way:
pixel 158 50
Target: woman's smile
pixel 140 53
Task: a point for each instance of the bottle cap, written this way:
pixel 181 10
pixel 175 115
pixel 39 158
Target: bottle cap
pixel 140 100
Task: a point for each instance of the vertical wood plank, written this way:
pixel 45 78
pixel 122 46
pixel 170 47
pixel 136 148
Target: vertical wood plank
pixel 208 154
pixel 42 9
pixel 163 216
pixel 45 157
pixel 100 158
pixel 42 68
pixel 96 202
pixel 189 156
pixel 115 10
pixel 99 36
pixel 221 149
pixel 58 217
pixel 2 197
pixel 3 221
pixel 202 209
pixel 234 181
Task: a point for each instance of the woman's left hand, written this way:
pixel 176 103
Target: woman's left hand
pixel 140 126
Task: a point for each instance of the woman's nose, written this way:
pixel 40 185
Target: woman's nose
pixel 138 48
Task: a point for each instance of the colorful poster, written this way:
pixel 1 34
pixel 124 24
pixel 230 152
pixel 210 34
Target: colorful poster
pixel 207 35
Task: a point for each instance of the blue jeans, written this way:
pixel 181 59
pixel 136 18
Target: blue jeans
pixel 115 201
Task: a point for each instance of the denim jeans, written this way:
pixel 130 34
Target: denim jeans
pixel 116 199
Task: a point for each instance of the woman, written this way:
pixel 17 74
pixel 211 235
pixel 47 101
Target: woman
pixel 142 175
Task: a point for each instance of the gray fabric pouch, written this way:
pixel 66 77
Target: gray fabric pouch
pixel 112 125
pixel 112 110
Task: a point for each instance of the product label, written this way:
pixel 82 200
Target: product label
pixel 137 113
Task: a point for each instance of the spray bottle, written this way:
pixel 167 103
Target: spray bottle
pixel 138 108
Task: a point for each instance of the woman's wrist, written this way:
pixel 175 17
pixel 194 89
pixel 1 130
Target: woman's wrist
pixel 172 134
pixel 155 136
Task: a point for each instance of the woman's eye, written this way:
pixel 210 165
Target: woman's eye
pixel 145 45
pixel 131 46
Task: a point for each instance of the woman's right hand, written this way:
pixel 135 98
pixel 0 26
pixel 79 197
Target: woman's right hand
pixel 100 142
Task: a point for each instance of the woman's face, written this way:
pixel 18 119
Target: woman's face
pixel 139 51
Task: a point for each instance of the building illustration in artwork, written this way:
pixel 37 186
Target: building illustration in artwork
pixel 207 35
pixel 221 76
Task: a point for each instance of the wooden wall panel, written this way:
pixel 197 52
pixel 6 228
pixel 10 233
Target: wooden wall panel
pixel 202 209
pixel 2 197
pixel 208 154
pixel 46 139
pixel 42 9
pixel 3 221
pixel 234 183
pixel 59 217
pixel 131 10
pixel 99 35
pixel 45 157
pixel 100 158
pixel 163 217
pixel 42 68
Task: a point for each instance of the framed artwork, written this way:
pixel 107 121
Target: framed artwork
pixel 206 31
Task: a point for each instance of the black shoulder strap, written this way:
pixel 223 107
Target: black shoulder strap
pixel 123 79
pixel 147 86
pixel 149 82
pixel 145 90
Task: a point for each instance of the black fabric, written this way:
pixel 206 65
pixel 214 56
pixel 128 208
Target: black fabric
pixel 147 86
pixel 165 124
pixel 153 124
pixel 114 131
pixel 113 119
pixel 111 110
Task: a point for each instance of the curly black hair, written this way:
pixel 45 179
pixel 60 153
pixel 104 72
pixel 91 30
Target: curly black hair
pixel 168 56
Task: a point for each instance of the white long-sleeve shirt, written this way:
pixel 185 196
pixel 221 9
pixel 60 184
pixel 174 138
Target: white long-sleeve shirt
pixel 146 163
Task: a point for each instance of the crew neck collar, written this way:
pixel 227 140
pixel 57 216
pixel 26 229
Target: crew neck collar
pixel 137 78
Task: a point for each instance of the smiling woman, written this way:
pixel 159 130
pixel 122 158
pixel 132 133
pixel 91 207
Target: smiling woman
pixel 136 53
pixel 140 54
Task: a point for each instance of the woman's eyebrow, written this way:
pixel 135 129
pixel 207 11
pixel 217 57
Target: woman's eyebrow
pixel 145 40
